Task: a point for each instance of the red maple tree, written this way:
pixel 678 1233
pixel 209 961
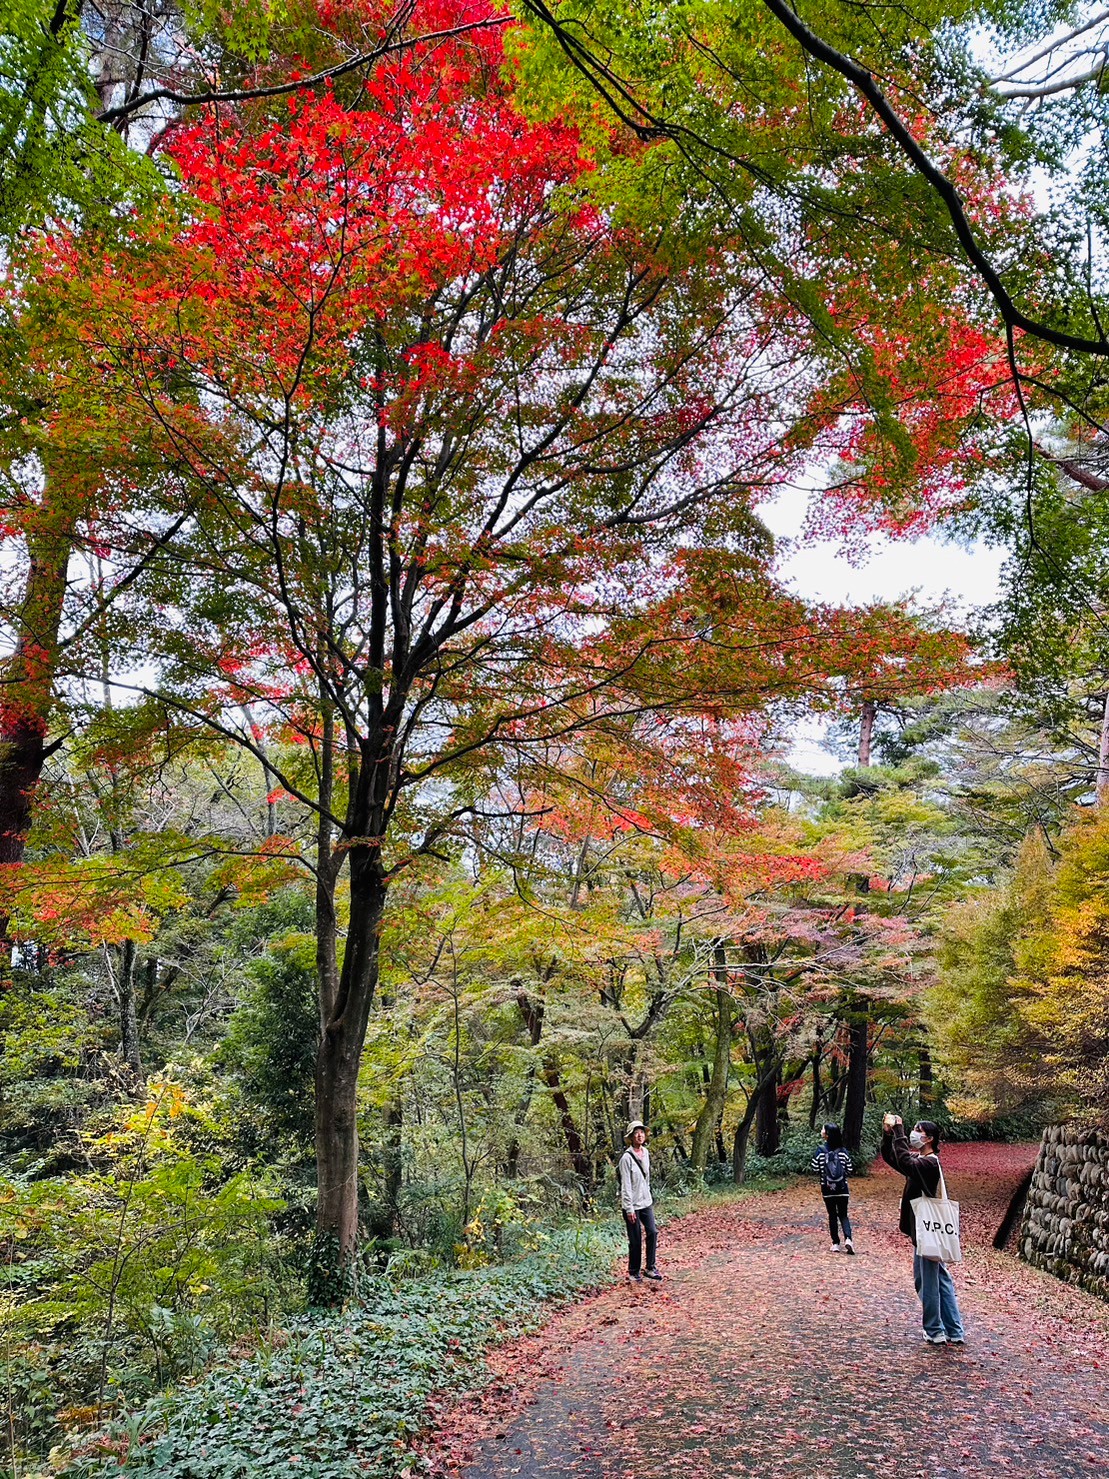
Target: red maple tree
pixel 467 449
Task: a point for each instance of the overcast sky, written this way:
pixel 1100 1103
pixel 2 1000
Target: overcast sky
pixel 928 569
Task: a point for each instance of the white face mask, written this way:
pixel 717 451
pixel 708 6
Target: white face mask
pixel 917 1139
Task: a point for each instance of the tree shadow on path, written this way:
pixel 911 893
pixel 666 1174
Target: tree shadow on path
pixel 762 1354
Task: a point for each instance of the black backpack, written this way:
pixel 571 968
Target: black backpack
pixel 834 1179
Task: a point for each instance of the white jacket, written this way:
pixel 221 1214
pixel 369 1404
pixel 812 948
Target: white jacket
pixel 635 1180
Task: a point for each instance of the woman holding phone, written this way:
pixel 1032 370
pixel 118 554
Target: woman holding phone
pixel 916 1156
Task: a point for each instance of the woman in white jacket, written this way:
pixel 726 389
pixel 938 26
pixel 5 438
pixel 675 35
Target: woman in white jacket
pixel 634 1172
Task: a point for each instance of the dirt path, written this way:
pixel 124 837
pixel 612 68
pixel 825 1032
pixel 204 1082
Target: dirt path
pixel 764 1355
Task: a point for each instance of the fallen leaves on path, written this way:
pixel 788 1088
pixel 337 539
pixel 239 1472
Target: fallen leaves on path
pixel 764 1355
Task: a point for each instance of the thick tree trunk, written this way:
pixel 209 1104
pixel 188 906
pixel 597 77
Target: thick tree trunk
pixel 129 1047
pixel 742 1139
pixel 711 1109
pixel 866 730
pixel 22 752
pixel 857 1068
pixel 345 1001
pixel 767 1124
pixel 27 679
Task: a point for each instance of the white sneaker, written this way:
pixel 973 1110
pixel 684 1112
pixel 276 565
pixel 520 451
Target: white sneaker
pixel 934 1339
pixel 849 1246
pixel 834 1248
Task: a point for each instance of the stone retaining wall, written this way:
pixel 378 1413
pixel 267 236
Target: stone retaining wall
pixel 1065 1228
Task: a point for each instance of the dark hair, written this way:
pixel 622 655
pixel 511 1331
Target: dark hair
pixel 932 1130
pixel 834 1136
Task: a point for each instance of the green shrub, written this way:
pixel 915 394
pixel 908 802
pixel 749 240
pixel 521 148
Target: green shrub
pixel 339 1395
pixel 273 1034
pixel 131 1274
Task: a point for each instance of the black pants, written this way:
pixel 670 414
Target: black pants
pixel 837 1212
pixel 644 1223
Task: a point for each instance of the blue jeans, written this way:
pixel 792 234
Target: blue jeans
pixel 936 1289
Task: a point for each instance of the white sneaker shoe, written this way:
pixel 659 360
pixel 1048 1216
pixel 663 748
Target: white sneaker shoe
pixel 934 1339
pixel 849 1246
pixel 834 1248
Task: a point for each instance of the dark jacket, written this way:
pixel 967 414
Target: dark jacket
pixel 921 1173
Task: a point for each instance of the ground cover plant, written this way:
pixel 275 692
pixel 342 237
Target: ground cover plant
pixel 344 1393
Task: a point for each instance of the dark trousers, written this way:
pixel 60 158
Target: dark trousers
pixel 837 1213
pixel 644 1223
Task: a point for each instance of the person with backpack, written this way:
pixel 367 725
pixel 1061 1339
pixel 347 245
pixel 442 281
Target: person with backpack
pixel 916 1156
pixel 833 1165
pixel 634 1172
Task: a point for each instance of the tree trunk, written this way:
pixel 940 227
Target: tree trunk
pixel 713 1105
pixel 345 1001
pixel 836 1093
pixel 767 1123
pixel 927 1083
pixel 742 1139
pixel 129 1048
pixel 533 1010
pixel 1102 788
pixel 392 1162
pixel 28 678
pixel 523 1104
pixel 623 1072
pixel 866 730
pixel 857 1066
pixel 817 1093
pixel 579 1159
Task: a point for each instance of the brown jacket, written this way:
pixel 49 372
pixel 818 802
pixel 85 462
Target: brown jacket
pixel 921 1173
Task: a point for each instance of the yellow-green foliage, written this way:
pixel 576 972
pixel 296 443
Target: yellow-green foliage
pixel 1022 1006
pixel 1062 965
pixel 979 1032
pixel 126 1275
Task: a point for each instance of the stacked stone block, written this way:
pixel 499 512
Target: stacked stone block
pixel 1065 1228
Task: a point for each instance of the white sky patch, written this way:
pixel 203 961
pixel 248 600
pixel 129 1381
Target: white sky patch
pixel 930 571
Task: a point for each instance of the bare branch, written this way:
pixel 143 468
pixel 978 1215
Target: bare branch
pixel 1032 90
pixel 280 89
pixel 865 83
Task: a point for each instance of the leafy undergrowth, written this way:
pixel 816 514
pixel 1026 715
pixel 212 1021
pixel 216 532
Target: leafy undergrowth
pixel 338 1395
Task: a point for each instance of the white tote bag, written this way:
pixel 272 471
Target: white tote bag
pixel 937 1227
